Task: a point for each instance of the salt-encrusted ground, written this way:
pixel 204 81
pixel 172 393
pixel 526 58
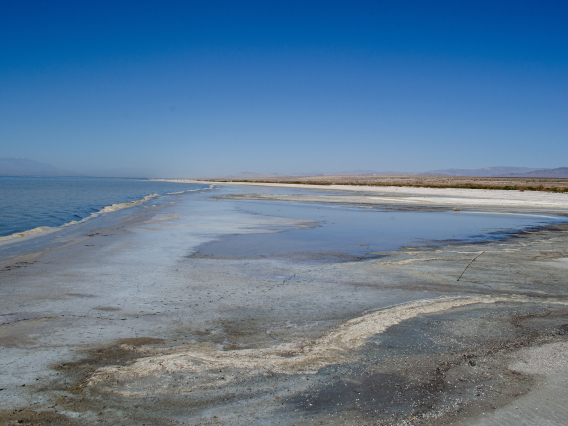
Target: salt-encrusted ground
pixel 126 326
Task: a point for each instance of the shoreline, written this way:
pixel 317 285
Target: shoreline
pixel 445 197
pixel 73 227
pixel 42 228
pixel 125 326
pixel 555 185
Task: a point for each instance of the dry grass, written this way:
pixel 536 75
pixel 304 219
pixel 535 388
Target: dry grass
pixel 558 185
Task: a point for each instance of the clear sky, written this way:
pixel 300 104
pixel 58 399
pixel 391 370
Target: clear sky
pixel 205 88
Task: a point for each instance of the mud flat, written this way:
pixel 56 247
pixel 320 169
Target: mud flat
pixel 161 318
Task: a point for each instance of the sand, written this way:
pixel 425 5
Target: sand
pixel 479 199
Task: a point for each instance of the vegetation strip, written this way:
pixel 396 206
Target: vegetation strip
pixel 518 187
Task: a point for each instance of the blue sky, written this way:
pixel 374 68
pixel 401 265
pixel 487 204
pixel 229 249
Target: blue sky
pixel 188 89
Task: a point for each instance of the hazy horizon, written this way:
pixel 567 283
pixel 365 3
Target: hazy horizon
pixel 188 89
pixel 11 166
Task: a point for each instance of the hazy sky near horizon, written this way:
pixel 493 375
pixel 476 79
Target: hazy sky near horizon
pixel 189 89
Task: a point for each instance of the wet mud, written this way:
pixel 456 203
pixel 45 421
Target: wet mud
pixel 430 369
pixel 425 371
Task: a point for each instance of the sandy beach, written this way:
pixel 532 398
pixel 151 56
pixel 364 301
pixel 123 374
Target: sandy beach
pixel 155 318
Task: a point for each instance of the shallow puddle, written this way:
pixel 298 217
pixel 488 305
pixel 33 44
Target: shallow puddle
pixel 347 233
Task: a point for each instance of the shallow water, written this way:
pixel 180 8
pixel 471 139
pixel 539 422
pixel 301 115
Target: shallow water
pixel 300 231
pixel 350 233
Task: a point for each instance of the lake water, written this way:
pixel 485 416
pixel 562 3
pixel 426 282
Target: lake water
pixel 30 202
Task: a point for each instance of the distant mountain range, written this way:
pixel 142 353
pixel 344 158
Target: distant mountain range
pixel 561 172
pixel 258 176
pixel 483 172
pixel 25 167
pixel 367 173
pixel 254 176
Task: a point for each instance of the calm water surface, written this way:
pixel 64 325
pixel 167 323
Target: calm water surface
pixel 351 231
pixel 31 202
